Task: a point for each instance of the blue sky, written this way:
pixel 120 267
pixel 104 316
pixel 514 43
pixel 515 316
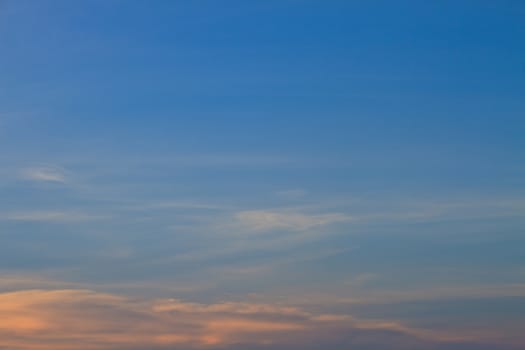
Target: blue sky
pixel 337 173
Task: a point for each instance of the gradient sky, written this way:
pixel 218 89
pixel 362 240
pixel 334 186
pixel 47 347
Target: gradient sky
pixel 263 174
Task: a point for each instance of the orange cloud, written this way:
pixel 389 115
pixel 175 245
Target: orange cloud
pixel 87 320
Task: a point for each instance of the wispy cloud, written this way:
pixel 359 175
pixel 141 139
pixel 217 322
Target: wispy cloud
pixel 263 220
pixel 196 160
pixel 175 204
pixel 45 174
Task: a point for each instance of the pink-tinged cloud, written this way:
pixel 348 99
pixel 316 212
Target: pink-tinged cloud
pixel 86 320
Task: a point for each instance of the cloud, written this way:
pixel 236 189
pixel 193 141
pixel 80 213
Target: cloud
pixel 10 281
pixel 262 220
pixel 45 174
pixel 87 320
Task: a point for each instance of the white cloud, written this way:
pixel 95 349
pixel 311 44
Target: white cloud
pixel 262 220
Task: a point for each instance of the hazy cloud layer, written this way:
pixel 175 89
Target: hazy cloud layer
pixel 84 319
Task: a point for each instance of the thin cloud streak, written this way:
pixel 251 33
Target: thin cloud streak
pixel 441 293
pixel 262 220
pixel 50 216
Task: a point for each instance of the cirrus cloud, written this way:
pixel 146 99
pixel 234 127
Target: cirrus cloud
pixel 45 174
pixel 265 220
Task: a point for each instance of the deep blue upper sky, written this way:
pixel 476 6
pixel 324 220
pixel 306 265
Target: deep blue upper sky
pixel 413 82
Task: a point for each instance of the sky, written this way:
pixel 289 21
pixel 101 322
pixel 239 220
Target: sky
pixel 266 175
